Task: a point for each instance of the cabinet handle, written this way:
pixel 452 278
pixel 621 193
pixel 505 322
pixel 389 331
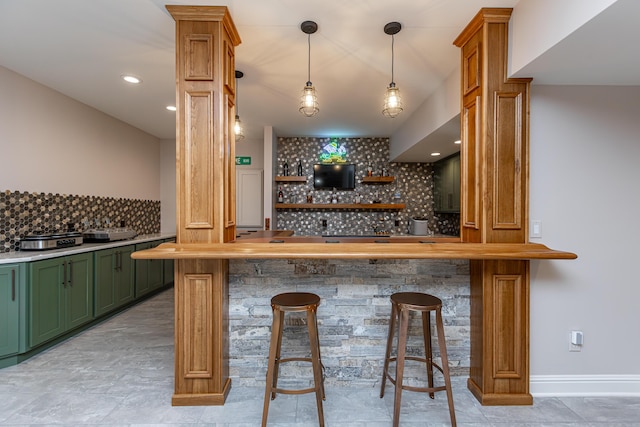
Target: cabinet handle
pixel 70 273
pixel 118 260
pixel 64 276
pixel 13 285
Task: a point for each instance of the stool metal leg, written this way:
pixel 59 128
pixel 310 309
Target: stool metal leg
pixel 403 329
pixel 315 321
pixel 445 365
pixel 276 370
pixel 315 362
pixel 276 333
pixel 428 352
pixel 387 355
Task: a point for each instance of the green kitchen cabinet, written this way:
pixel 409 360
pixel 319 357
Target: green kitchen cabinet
pixel 168 265
pixel 60 296
pixel 11 298
pixel 114 278
pixel 149 272
pixel 446 184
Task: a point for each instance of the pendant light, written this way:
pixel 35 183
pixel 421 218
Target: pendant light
pixel 309 101
pixel 392 101
pixel 237 127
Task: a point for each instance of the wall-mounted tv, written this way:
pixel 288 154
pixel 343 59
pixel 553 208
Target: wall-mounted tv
pixel 340 176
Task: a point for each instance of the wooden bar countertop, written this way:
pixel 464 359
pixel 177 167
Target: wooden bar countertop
pixel 282 244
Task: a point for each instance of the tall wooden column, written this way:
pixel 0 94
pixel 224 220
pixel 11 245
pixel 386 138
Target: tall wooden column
pixel 494 188
pixel 205 162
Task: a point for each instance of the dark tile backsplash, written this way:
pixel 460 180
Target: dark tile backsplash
pixel 22 213
pixel 413 182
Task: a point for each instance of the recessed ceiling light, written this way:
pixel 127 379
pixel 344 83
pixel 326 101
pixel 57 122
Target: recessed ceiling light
pixel 131 79
pixel 435 154
pixel 171 107
pixel 457 142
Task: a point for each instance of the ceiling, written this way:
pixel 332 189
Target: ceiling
pixel 81 48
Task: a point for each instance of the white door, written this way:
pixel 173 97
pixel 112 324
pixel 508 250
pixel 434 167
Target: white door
pixel 249 198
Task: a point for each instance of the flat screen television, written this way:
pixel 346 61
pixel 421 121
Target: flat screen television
pixel 339 176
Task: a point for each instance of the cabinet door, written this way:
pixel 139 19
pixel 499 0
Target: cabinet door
pixel 142 272
pixel 9 310
pixel 149 272
pixel 168 267
pixel 249 193
pixel 439 187
pixel 447 185
pixel 169 270
pixel 125 275
pixel 104 273
pixel 46 300
pixel 455 183
pixel 79 290
pixel 156 270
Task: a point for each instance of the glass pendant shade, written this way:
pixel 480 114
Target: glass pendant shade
pixel 309 101
pixel 392 101
pixel 237 129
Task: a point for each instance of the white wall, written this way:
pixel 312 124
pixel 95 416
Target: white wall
pixel 435 111
pixel 584 189
pixel 168 186
pixel 537 25
pixel 253 149
pixel 270 169
pixel 53 144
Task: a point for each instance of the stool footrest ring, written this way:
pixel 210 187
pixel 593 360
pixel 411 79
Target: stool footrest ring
pixel 294 391
pixel 412 388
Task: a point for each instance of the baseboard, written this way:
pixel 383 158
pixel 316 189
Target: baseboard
pixel 584 385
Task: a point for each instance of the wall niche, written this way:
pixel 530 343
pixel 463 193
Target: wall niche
pixel 412 181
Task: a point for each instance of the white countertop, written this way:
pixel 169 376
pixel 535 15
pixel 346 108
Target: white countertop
pixel 28 256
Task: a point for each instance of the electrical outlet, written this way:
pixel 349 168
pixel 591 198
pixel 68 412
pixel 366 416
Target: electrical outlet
pixel 575 347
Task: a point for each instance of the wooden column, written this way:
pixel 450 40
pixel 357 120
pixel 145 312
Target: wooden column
pixel 494 208
pixel 205 163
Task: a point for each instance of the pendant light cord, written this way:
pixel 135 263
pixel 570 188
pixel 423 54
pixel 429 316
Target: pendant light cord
pixel 309 60
pixel 392 56
pixel 237 98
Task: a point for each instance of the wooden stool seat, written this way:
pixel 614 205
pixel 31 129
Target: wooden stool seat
pixel 294 302
pixel 402 303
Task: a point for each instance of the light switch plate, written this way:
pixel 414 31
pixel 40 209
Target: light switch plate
pixel 536 228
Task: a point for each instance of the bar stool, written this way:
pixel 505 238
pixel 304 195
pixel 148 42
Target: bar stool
pixel 401 304
pixel 294 302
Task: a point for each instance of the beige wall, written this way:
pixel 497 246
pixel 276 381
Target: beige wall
pixel 53 144
pixel 584 179
pixel 168 185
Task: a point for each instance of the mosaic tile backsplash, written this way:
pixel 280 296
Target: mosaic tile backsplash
pixel 413 185
pixel 23 213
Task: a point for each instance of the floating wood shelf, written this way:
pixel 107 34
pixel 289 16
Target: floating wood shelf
pixel 365 206
pixel 377 179
pixel 291 178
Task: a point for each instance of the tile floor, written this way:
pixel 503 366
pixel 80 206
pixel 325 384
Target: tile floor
pixel 120 373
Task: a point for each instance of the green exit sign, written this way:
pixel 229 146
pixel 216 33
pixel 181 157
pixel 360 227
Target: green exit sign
pixel 243 160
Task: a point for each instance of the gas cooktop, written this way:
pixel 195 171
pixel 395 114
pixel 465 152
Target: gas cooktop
pixel 40 241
